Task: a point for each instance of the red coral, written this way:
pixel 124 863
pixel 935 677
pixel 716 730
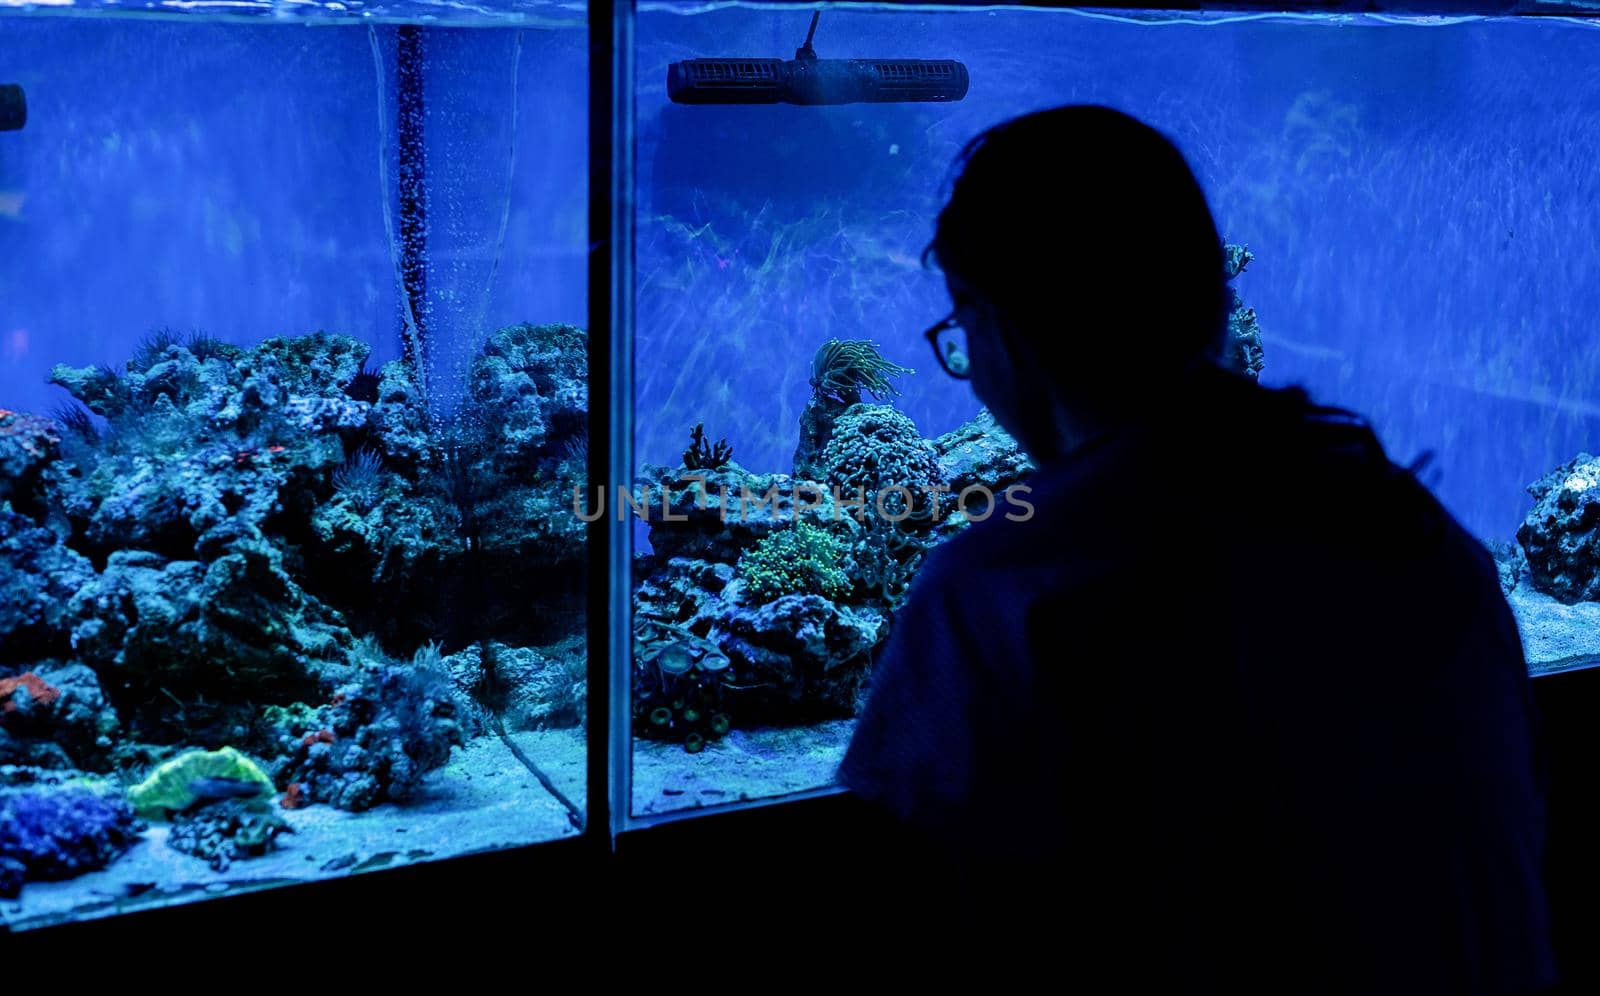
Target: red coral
pixel 42 693
pixel 38 435
pixel 295 797
pixel 319 737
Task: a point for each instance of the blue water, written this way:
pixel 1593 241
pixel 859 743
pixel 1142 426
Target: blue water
pixel 1419 195
pixel 239 177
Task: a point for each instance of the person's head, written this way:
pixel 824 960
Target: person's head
pixel 1084 266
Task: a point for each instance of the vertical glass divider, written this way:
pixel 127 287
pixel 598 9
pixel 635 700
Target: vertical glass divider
pixel 611 245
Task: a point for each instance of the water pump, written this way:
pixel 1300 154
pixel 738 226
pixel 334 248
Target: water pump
pixel 806 79
pixel 13 108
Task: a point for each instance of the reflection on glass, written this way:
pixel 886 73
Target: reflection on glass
pixel 291 585
pixel 1411 194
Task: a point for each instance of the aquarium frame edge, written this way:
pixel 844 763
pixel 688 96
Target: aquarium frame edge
pixel 611 327
pixel 1421 9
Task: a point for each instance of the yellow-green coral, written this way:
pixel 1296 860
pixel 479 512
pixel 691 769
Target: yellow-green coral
pixel 801 560
pixel 170 788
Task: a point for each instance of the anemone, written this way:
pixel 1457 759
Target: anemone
pixel 359 478
pixel 844 368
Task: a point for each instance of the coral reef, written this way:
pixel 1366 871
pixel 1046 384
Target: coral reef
pixel 799 560
pixel 841 372
pixel 52 834
pixel 474 511
pixel 876 452
pixel 236 437
pixel 528 688
pixel 731 510
pixel 1244 351
pixel 228 831
pixel 980 453
pixel 38 578
pixel 28 444
pixel 198 580
pixel 56 716
pixel 764 596
pixel 1561 534
pixel 529 383
pixel 378 737
pixel 701 454
pixel 236 628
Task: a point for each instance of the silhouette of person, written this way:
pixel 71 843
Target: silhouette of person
pixel 1239 707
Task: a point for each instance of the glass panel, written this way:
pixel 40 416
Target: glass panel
pixel 1416 199
pixel 291 584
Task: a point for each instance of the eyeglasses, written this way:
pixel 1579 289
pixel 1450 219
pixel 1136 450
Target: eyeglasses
pixel 949 342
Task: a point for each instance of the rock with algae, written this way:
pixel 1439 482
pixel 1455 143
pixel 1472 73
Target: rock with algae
pixel 1244 351
pixel 226 831
pixel 378 737
pixel 237 628
pixel 201 435
pixel 1561 534
pixel 38 578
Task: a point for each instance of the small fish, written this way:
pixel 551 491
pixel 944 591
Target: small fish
pixel 215 789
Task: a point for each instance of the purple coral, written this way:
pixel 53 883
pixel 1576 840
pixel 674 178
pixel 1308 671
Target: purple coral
pixel 47 836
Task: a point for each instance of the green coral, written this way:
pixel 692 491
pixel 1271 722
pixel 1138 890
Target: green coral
pixel 844 368
pixel 170 788
pixel 802 560
pixel 876 447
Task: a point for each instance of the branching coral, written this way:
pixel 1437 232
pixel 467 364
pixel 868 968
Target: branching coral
pixel 845 368
pixel 702 455
pixel 801 560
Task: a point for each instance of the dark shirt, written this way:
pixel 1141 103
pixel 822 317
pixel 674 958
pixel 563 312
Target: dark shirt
pixel 1240 707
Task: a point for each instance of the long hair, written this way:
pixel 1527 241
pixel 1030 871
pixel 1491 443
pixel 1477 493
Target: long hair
pixel 1089 232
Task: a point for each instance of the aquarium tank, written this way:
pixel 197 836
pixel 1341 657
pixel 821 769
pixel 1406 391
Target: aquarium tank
pixel 1408 208
pixel 295 496
pixel 292 400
